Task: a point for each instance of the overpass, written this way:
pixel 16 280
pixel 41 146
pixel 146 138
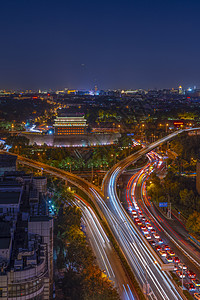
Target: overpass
pixel 139 256
pixel 138 252
pixel 121 280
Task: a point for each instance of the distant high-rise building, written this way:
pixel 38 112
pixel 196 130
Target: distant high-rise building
pixel 180 90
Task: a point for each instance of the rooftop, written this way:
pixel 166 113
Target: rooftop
pixel 12 183
pixel 7 157
pixel 5 242
pixel 4 229
pixel 39 218
pixel 39 177
pixel 9 197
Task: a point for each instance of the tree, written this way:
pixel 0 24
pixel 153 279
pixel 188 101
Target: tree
pixel 72 285
pixel 17 141
pixel 125 141
pixel 193 223
pixel 60 260
pixel 155 189
pixel 82 279
pixel 187 198
pixel 97 285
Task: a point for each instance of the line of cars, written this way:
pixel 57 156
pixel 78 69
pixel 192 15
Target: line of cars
pixel 191 283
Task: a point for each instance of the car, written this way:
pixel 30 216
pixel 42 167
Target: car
pixel 191 274
pixel 190 287
pixel 143 219
pixel 197 296
pixel 137 220
pixel 145 231
pixel 163 253
pixel 175 268
pixel 158 248
pixel 180 274
pixel 148 237
pixel 130 208
pixel 169 259
pixel 152 243
pixel 142 227
pixel 153 230
pixel 171 253
pixel 135 216
pixel 167 248
pixel 182 266
pixel 196 282
pixel 146 221
pixel 160 241
pixel 149 226
pixel 134 212
pixel 156 235
pixel 139 223
pixel 176 259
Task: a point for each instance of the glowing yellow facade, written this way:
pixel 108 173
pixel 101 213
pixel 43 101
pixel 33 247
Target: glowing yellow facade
pixel 70 125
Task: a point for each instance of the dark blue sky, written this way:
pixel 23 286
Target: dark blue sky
pixel 111 44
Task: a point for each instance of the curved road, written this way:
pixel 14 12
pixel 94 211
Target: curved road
pixel 106 256
pixel 121 280
pixel 145 264
pixel 136 195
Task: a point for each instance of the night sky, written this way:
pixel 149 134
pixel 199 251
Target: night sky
pixel 111 44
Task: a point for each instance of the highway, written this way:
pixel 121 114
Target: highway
pixel 174 229
pixel 140 257
pixel 144 262
pixel 167 229
pixel 123 164
pixel 112 263
pixel 105 255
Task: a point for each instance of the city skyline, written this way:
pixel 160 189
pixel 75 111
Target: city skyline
pixel 95 90
pixel 99 150
pixel 111 45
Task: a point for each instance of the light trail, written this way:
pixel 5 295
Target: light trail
pixel 141 252
pixel 134 249
pixel 101 246
pixel 119 220
pixel 143 172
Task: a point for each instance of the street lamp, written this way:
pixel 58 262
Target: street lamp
pixel 167 127
pixel 92 172
pixel 70 167
pixel 182 276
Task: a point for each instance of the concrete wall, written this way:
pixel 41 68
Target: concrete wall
pixel 82 140
pixel 39 139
